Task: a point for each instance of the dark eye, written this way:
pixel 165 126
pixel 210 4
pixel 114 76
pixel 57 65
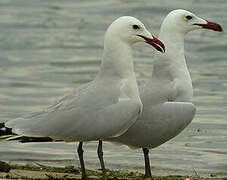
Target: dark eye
pixel 135 27
pixel 188 17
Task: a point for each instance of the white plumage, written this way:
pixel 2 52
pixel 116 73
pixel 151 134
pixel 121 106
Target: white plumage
pixel 105 107
pixel 167 95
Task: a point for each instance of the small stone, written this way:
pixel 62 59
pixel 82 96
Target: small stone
pixel 99 172
pixel 188 178
pixel 30 165
pixel 71 169
pixel 4 167
pixel 6 176
pixel 213 175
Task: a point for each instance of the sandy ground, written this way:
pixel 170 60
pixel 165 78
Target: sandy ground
pixel 37 175
pixel 27 174
pixel 38 172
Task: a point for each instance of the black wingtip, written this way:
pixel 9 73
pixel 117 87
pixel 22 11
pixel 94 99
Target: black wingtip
pixel 2 125
pixel 26 139
pixel 4 130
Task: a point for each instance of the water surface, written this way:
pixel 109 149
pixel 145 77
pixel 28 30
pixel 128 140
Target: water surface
pixel 50 47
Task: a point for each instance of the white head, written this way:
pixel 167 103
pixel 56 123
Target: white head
pixel 130 30
pixel 183 21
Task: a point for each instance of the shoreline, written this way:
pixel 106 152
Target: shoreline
pixel 37 171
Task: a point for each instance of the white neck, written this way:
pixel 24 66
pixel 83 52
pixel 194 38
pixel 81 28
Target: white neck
pixel 117 59
pixel 171 66
pixel 117 64
pixel 173 61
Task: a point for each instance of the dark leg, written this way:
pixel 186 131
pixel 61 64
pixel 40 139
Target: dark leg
pixel 80 153
pixel 100 155
pixel 147 163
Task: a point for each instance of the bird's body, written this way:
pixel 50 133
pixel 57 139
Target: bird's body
pixel 167 95
pixel 105 107
pixel 76 118
pixel 166 98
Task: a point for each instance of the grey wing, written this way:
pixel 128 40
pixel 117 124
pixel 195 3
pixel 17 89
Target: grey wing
pixel 175 115
pixel 157 125
pixel 67 100
pixel 167 120
pixel 86 115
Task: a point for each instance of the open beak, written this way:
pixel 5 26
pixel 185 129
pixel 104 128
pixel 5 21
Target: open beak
pixel 156 43
pixel 211 25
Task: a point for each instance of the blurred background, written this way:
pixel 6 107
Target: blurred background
pixel 49 47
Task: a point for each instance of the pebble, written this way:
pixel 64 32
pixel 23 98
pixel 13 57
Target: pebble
pixel 4 167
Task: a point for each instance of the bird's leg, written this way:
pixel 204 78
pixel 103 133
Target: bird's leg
pixel 147 163
pixel 100 155
pixel 80 153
